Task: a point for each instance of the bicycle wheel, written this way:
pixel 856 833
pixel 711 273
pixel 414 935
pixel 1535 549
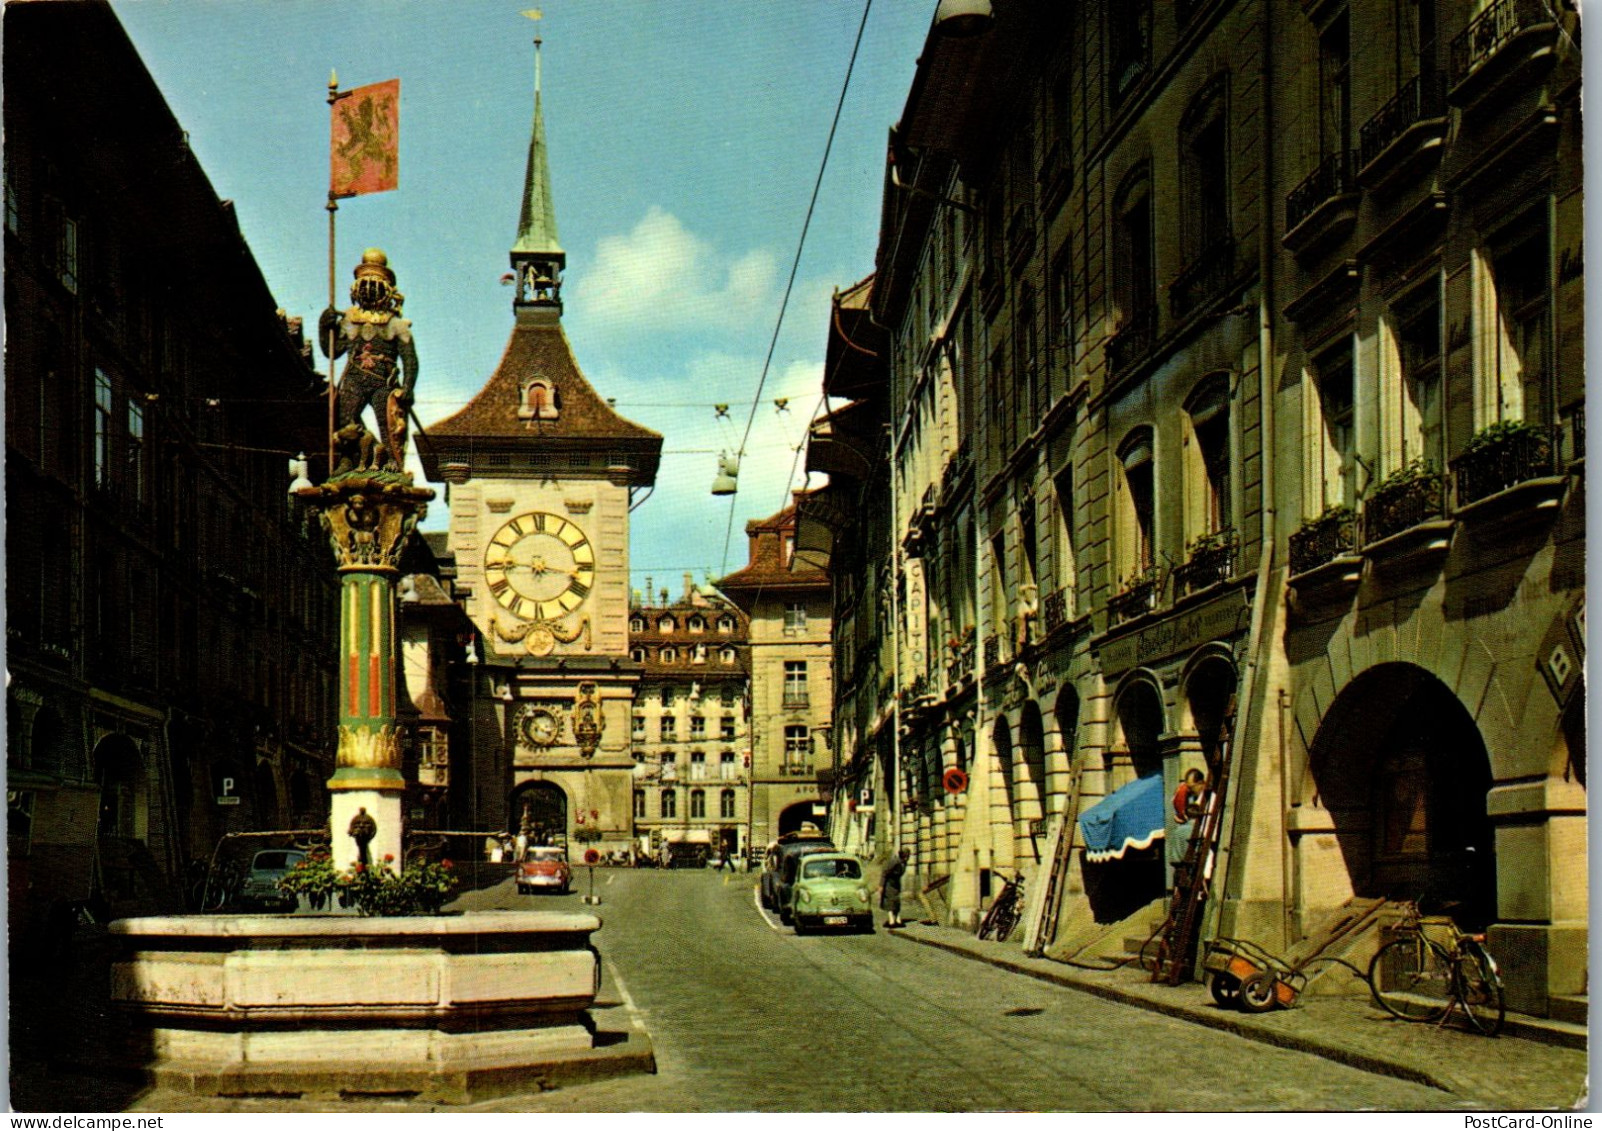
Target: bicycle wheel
pixel 1479 988
pixel 1007 921
pixel 992 920
pixel 1411 978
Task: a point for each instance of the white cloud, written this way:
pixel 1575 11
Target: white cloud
pixel 661 275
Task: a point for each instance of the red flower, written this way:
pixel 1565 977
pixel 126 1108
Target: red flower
pixel 359 867
pixel 388 859
pixel 446 864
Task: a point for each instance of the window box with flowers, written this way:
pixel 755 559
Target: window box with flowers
pixel 1209 560
pixel 1509 467
pixel 1322 540
pixel 1137 596
pixel 1405 514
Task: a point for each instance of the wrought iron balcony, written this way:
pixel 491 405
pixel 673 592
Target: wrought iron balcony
pixel 1206 275
pixel 1134 339
pixel 1055 610
pixel 1211 560
pixel 992 650
pixel 1323 539
pixel 1422 97
pixel 1488 32
pixel 1405 500
pixel 1333 178
pixel 1138 598
pixel 1503 457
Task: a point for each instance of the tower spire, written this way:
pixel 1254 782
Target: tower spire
pixel 537 256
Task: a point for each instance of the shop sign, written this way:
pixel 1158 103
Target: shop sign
pixel 1222 617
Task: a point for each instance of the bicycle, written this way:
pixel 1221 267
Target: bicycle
pixel 1414 977
pixel 1005 911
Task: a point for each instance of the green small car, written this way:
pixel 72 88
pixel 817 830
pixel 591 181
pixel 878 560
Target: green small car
pixel 829 891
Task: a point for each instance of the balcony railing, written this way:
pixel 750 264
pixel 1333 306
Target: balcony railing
pixel 1139 597
pixel 1406 502
pixel 1212 559
pixel 795 769
pixel 1504 461
pixel 1134 339
pixel 1207 275
pixel 1332 178
pixel 1323 539
pixel 1420 98
pixel 992 650
pixel 1054 610
pixel 1487 32
pixel 961 665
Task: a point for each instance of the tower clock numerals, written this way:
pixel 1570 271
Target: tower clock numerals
pixel 539 566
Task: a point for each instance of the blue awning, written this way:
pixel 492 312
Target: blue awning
pixel 1128 817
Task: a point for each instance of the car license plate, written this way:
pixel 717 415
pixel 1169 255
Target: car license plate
pixel 834 920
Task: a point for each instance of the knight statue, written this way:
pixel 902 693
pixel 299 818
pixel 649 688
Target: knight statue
pixel 381 369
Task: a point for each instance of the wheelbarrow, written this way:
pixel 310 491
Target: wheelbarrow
pixel 1243 974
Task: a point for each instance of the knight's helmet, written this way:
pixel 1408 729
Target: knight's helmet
pixel 374 288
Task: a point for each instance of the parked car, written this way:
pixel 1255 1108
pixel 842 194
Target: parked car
pixel 788 845
pixel 260 891
pixel 544 868
pixel 829 891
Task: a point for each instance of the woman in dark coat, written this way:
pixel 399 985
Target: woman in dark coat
pixel 890 888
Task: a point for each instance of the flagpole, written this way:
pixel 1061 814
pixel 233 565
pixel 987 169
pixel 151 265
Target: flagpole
pixel 333 330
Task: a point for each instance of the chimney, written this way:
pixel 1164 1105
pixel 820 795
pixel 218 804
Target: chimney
pixel 648 590
pixel 689 586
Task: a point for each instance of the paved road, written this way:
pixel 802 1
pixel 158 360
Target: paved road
pixel 747 1016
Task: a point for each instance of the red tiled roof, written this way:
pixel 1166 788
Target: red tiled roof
pixel 538 347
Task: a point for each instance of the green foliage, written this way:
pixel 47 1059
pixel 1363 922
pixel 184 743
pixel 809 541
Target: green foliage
pixel 421 888
pixel 1410 472
pixel 1334 514
pixel 1504 432
pixel 586 834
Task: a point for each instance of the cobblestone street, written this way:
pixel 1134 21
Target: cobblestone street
pixel 746 1016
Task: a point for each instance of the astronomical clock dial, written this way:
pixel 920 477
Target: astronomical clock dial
pixel 539 566
pixel 540 727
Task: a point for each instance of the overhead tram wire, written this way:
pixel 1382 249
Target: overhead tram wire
pixel 795 266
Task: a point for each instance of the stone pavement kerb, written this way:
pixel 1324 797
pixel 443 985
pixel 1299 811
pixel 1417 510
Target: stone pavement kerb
pixel 1524 1069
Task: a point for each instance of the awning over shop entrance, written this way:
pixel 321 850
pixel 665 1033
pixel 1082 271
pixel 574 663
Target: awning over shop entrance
pixel 1128 817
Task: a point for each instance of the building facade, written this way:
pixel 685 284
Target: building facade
pixel 792 682
pixel 170 614
pixel 540 477
pixel 1232 363
pixel 690 727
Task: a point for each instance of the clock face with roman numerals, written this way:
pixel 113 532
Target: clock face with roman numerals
pixel 539 566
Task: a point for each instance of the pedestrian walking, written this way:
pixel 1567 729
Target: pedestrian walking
pixel 890 888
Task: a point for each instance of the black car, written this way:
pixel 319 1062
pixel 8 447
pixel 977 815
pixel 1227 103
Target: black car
pixel 775 887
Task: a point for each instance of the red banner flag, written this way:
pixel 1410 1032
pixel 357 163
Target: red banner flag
pixel 364 147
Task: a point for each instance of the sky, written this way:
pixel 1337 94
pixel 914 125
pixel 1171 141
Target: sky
pixel 685 139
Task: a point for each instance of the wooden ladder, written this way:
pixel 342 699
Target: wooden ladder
pixel 1176 953
pixel 1040 919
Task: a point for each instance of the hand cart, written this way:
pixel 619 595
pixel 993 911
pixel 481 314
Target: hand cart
pixel 1243 974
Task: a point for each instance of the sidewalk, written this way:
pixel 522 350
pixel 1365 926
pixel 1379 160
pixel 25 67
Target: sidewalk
pixel 1522 1069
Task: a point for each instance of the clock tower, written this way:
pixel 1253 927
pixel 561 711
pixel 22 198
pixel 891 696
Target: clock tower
pixel 540 475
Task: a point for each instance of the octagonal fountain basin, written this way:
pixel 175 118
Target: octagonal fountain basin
pixel 434 1006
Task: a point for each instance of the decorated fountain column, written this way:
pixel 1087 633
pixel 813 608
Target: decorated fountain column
pixel 369 507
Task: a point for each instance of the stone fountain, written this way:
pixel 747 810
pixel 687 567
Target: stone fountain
pixel 446 1008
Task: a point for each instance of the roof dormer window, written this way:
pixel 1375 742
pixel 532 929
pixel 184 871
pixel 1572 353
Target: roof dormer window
pixel 540 400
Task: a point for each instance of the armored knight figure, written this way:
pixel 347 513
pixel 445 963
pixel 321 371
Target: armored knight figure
pixel 381 370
